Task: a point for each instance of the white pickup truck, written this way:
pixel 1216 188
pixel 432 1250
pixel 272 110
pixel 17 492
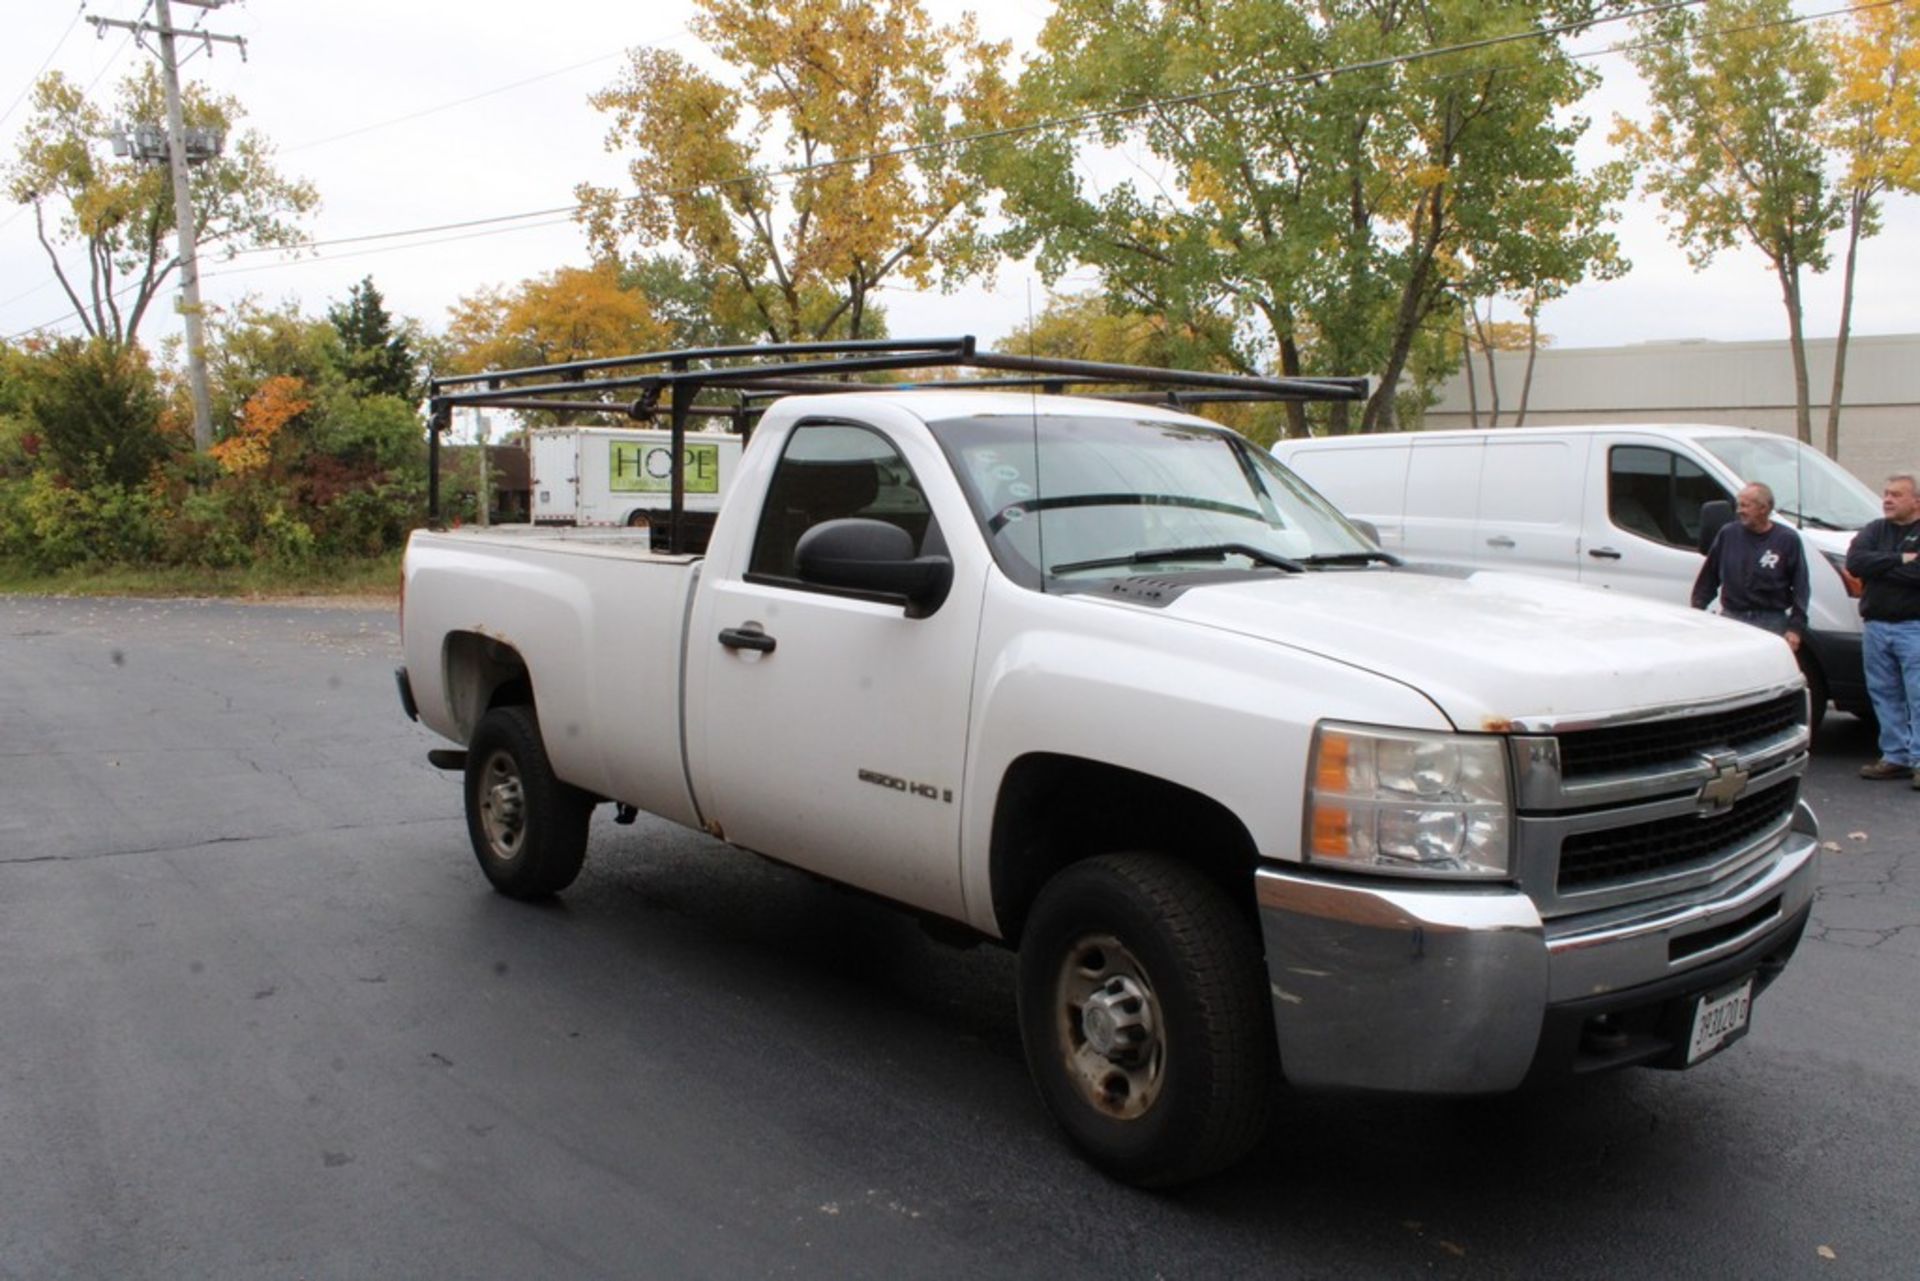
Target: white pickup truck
pixel 1103 682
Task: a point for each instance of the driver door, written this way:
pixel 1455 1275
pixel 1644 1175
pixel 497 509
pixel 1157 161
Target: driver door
pixel 837 740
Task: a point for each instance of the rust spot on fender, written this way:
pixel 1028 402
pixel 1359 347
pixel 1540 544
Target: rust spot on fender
pixel 1497 725
pixel 714 830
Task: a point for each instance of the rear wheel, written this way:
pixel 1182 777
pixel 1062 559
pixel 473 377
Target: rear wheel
pixel 529 829
pixel 1143 1010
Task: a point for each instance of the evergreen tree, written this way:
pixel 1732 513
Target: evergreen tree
pixel 380 359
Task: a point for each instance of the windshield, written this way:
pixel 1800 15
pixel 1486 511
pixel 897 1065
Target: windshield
pixel 1093 496
pixel 1808 487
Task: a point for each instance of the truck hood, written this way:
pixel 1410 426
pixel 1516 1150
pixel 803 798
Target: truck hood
pixel 1492 648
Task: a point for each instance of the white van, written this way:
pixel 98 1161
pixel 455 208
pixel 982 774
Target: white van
pixel 624 475
pixel 1616 506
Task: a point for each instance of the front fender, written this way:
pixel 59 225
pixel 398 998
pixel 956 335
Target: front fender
pixel 1223 714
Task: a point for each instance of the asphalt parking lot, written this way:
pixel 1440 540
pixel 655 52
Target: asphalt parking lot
pixel 261 1016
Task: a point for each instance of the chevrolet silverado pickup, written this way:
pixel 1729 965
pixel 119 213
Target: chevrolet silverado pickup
pixel 1254 803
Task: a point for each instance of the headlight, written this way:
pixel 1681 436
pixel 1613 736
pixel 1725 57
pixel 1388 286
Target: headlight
pixel 1409 804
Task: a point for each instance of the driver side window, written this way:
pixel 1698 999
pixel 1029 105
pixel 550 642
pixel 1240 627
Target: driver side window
pixel 1656 494
pixel 830 471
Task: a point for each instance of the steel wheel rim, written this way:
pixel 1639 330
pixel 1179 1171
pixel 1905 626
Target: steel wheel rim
pixel 503 806
pixel 1109 1030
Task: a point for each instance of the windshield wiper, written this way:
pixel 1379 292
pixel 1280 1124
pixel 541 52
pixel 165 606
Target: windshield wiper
pixel 1207 551
pixel 1351 558
pixel 1805 519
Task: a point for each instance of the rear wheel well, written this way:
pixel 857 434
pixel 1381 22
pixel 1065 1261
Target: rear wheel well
pixel 482 674
pixel 1055 810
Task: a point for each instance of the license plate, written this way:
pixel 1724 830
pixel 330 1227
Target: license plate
pixel 1719 1019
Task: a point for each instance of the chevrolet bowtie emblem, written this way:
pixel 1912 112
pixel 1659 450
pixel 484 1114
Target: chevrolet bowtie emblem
pixel 1724 786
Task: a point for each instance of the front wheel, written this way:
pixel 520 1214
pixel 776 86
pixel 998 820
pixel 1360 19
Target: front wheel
pixel 1144 1013
pixel 529 829
pixel 1817 694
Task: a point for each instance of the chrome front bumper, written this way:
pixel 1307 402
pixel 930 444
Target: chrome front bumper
pixel 1381 986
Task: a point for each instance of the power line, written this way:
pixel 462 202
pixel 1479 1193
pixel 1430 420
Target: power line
pixel 1089 117
pixel 389 249
pixel 27 293
pixel 794 172
pixel 122 292
pixel 569 210
pixel 484 93
pixel 44 64
pixel 67 317
pixel 126 43
pixel 469 228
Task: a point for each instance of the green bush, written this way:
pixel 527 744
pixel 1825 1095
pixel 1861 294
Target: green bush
pixel 286 540
pixel 16 527
pixel 382 432
pixel 50 525
pixel 204 531
pixel 97 407
pixel 95 473
pixel 373 519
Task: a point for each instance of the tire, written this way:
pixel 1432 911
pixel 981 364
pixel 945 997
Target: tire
pixel 1817 695
pixel 529 829
pixel 1145 1017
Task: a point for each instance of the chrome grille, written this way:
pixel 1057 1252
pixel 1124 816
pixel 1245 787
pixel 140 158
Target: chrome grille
pixel 1590 860
pixel 1613 748
pixel 1624 812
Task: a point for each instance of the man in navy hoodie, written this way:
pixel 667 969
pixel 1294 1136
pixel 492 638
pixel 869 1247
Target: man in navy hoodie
pixel 1757 569
pixel 1885 557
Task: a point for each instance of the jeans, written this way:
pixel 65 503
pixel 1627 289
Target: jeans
pixel 1772 620
pixel 1892 655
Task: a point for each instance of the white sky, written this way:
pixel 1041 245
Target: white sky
pixel 315 72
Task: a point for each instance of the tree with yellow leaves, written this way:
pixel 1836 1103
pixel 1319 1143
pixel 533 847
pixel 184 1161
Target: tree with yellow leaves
pixel 574 313
pixel 1872 121
pixel 1731 146
pixel 118 212
pixel 862 98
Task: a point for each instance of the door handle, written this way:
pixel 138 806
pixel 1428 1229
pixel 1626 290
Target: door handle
pixel 1502 541
pixel 1603 553
pixel 746 638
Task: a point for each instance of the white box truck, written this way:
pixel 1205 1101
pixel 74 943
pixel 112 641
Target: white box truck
pixel 624 475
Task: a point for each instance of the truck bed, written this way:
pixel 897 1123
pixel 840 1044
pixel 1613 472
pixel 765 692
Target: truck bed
pixel 626 543
pixel 597 620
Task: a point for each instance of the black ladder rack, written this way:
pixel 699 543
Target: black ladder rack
pixel 736 382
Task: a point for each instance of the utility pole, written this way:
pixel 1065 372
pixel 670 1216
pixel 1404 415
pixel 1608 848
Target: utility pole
pixel 183 194
pixel 481 434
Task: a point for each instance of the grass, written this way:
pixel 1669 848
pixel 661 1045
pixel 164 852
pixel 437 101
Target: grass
pixel 376 579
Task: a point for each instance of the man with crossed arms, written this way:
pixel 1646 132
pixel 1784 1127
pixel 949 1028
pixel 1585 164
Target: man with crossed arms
pixel 1883 557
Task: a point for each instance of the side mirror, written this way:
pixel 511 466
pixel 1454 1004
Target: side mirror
pixel 1714 517
pixel 857 554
